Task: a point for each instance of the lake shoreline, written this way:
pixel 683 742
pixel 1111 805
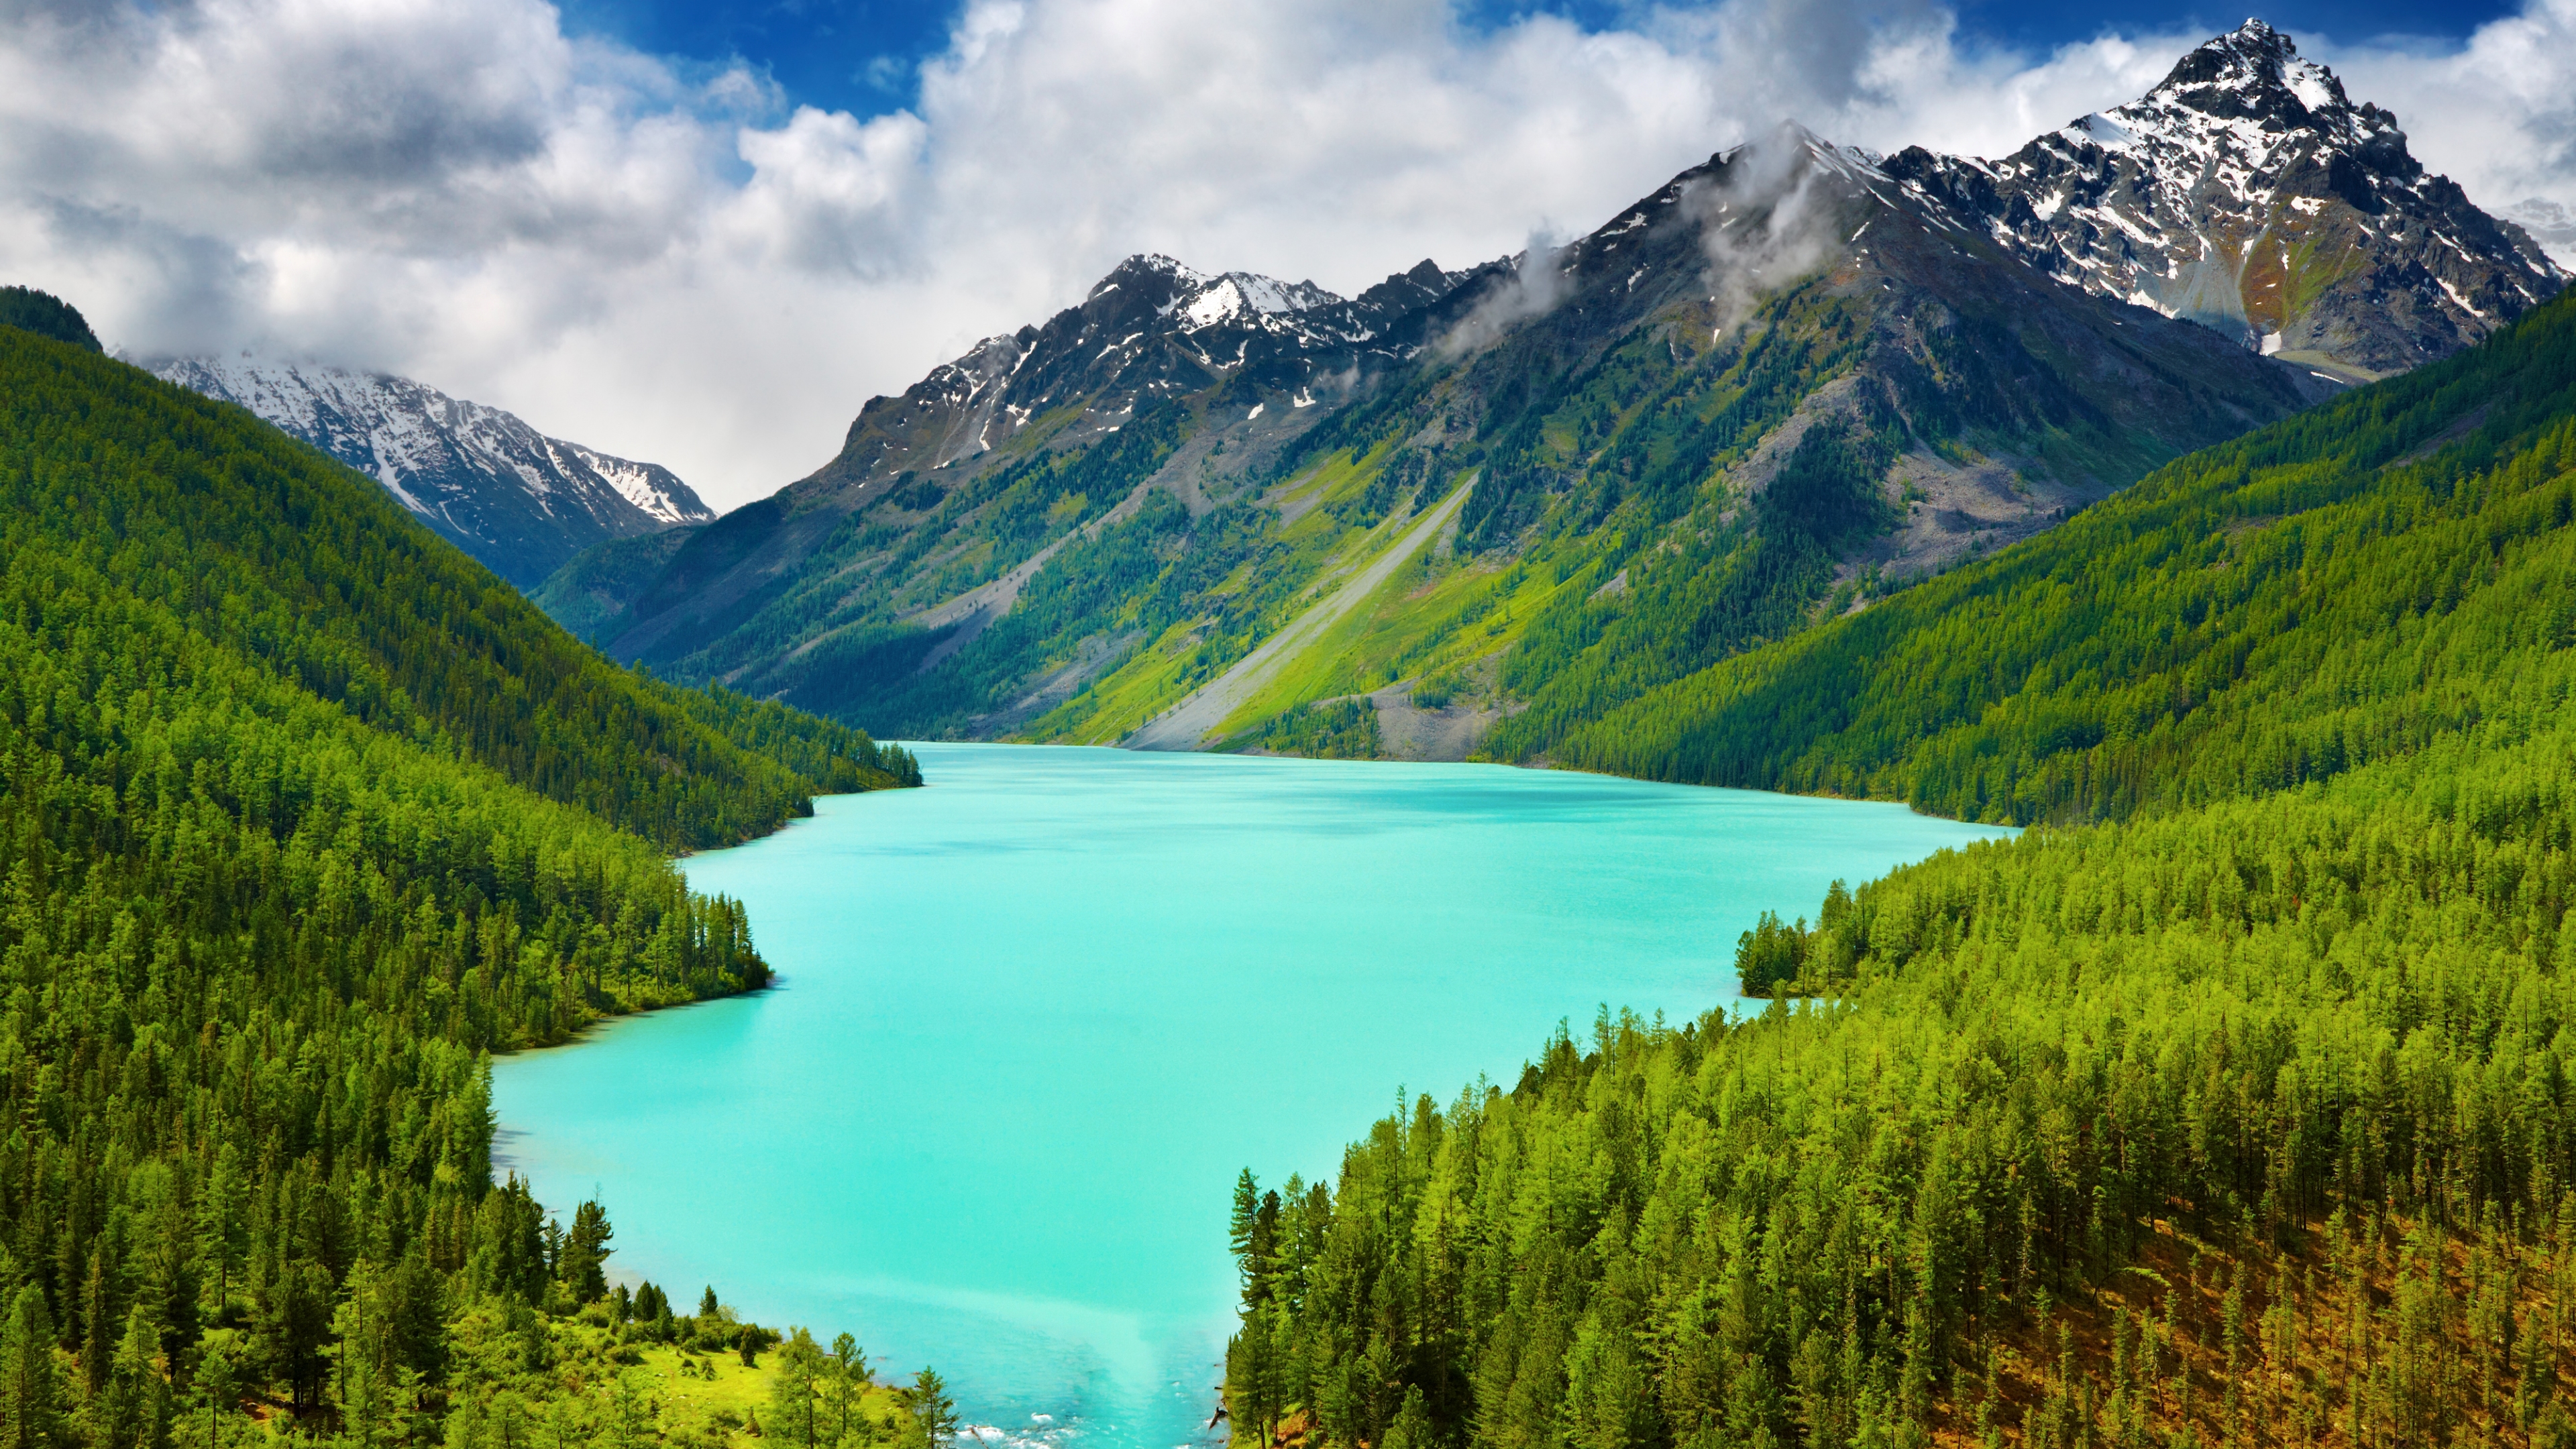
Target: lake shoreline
pixel 971 1150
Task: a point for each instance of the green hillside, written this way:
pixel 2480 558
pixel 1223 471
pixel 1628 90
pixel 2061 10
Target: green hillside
pixel 2238 1116
pixel 306 813
pixel 2271 611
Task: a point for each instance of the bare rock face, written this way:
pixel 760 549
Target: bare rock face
pixel 520 502
pixel 2249 193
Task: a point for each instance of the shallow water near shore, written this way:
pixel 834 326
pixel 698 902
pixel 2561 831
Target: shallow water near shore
pixel 1033 1019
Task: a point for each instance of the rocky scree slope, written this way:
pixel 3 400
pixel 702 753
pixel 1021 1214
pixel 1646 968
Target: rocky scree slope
pixel 2249 193
pixel 1788 382
pixel 520 502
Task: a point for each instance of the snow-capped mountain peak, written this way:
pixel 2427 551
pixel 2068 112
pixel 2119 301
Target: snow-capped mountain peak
pixel 1153 328
pixel 2248 192
pixel 520 501
pixel 2244 71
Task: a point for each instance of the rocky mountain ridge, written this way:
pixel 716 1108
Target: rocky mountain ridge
pixel 1153 328
pixel 521 502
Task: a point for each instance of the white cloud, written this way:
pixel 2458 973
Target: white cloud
pixel 2497 116
pixel 678 266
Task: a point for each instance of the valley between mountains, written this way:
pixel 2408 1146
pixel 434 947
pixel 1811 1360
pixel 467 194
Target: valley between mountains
pixel 2183 505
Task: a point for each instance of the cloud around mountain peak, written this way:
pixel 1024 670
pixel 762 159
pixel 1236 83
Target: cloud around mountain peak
pixel 676 262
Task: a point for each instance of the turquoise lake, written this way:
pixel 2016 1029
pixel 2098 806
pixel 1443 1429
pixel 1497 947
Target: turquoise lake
pixel 1033 1019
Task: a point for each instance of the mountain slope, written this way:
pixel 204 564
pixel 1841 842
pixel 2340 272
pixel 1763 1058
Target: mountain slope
pixel 303 814
pixel 2248 193
pixel 2238 1119
pixel 518 500
pixel 2038 687
pixel 836 591
pixel 951 465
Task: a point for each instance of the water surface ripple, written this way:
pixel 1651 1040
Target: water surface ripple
pixel 1032 1019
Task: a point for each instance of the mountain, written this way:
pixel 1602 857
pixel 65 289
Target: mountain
pixel 1153 334
pixel 2229 1108
pixel 2248 193
pixel 303 809
pixel 485 481
pixel 1492 505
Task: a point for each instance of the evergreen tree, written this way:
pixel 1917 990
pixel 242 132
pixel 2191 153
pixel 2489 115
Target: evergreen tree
pixel 585 1253
pixel 302 816
pixel 933 1413
pixel 628 1412
pixel 2226 1107
pixel 218 1382
pixel 132 1411
pixel 1247 1203
pixel 46 315
pixel 846 1389
pixel 31 1392
pixel 99 1327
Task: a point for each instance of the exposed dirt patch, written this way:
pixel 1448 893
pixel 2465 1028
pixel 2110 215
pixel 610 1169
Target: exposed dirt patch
pixel 1954 510
pixel 1405 731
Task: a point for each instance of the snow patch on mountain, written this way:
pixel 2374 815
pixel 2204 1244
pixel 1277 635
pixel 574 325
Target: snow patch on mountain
pixel 520 501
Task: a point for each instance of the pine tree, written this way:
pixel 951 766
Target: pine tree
pixel 219 1382
pixel 584 1255
pixel 222 1208
pixel 848 1387
pixel 133 1412
pixel 31 1390
pixel 934 1414
pixel 99 1326
pixel 1240 1231
pixel 628 1412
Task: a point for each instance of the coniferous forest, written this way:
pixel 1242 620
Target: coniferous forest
pixel 306 815
pixel 2234 1103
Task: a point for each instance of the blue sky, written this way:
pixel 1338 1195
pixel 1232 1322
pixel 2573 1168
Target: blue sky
pixel 859 55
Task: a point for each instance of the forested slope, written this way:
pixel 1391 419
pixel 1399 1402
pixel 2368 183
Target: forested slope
pixel 2261 613
pixel 204 510
pixel 306 813
pixel 2242 1117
